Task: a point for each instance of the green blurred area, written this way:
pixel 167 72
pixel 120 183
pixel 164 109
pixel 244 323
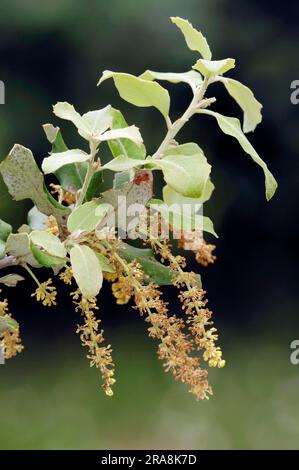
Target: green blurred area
pixel 50 399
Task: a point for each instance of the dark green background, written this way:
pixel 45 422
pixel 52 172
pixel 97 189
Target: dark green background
pixel 52 51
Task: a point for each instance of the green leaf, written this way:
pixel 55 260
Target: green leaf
pixel 208 226
pixel 157 272
pixel 18 245
pixel 55 138
pixel 47 248
pixel 214 67
pixel 87 216
pixel 67 111
pixel 170 196
pixel 24 181
pixel 194 39
pixel 24 228
pixel 187 173
pixel 183 217
pixel 90 125
pixel 231 126
pixel 44 259
pixel 2 249
pixel 7 323
pixel 94 188
pixel 104 263
pixel 192 78
pixel 87 270
pixel 124 146
pixel 98 122
pixel 130 133
pixel 36 219
pixel 139 92
pixel 122 163
pixel 189 148
pixel 58 160
pixel 11 280
pixel 5 231
pixel 246 100
pixel 70 177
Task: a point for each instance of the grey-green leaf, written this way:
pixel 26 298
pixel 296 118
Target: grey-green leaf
pixel 47 249
pixel 246 100
pixel 36 219
pixel 170 196
pixel 139 92
pixel 87 216
pixel 90 125
pixel 11 280
pixel 5 231
pixel 7 323
pixel 87 270
pixel 48 242
pixel 18 245
pixel 214 67
pixel 192 78
pixel 55 138
pixel 104 262
pixel 122 163
pixel 57 160
pixel 94 188
pixel 71 176
pixel 194 39
pixel 185 173
pixel 231 126
pixel 183 217
pixel 24 181
pixel 123 146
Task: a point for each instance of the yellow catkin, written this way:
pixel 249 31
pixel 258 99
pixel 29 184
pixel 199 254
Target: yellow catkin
pixel 194 306
pixel 66 276
pixel 10 339
pixel 176 344
pixel 46 293
pixel 92 337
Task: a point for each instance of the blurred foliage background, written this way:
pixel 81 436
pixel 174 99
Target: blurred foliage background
pixel 55 51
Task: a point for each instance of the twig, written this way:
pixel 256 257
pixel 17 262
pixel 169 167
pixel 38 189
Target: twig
pixel 175 127
pixel 8 261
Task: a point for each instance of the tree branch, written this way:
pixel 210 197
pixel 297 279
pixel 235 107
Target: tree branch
pixel 8 261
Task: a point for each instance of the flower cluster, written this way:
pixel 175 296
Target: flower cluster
pixel 10 333
pixel 193 240
pixel 176 347
pixel 46 293
pixel 198 316
pixel 122 290
pixel 178 339
pixel 67 275
pixel 52 225
pixel 194 306
pixel 92 337
pixel 204 255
